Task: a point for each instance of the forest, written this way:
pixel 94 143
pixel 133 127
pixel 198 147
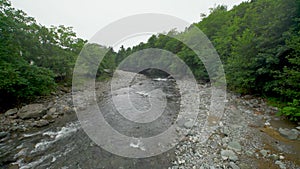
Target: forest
pixel 258 42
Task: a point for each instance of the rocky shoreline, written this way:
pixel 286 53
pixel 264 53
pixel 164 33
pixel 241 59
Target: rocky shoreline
pixel 248 136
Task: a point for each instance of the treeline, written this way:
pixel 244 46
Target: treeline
pixel 258 42
pixel 33 58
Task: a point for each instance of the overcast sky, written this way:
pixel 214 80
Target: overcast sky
pixel 89 16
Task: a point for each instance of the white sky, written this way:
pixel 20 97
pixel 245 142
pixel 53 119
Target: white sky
pixel 89 16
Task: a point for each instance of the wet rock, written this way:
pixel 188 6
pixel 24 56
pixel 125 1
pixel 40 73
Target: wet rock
pixel 290 134
pixel 41 123
pixel 281 165
pixel 298 128
pixel 32 111
pixel 3 134
pixel 228 154
pixel 11 112
pixel 234 145
pixel 233 165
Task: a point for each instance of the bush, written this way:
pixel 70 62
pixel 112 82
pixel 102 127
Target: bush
pixel 23 81
pixel 291 111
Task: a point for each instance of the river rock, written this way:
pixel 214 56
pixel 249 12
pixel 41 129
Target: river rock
pixel 41 123
pixel 228 154
pixel 281 165
pixel 52 110
pixel 290 134
pixel 3 134
pixel 234 145
pixel 11 112
pixel 264 152
pixel 233 165
pixel 189 124
pixel 32 111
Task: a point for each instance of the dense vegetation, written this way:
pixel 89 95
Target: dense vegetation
pixel 33 58
pixel 258 42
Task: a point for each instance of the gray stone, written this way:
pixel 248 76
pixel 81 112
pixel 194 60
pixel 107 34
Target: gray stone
pixel 249 153
pixel 234 145
pixel 3 134
pixel 233 165
pixel 11 112
pixel 274 157
pixel 290 134
pixel 32 111
pixel 281 165
pixel 264 152
pixel 41 123
pixel 189 124
pixel 298 127
pixel 228 154
pixel 52 110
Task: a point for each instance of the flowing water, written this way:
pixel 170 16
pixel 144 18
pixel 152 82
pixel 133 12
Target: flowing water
pixel 63 144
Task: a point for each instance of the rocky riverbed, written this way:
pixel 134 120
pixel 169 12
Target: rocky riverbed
pixel 47 134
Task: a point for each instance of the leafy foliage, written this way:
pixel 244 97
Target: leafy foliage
pixel 32 57
pixel 258 43
pixel 292 110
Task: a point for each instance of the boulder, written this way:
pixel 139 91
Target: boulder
pixel 11 112
pixel 290 134
pixel 32 111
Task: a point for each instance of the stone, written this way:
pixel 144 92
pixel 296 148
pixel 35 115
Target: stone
pixel 281 165
pixel 32 111
pixel 274 157
pixel 298 127
pixel 189 124
pixel 264 152
pixel 14 166
pixel 249 153
pixel 41 123
pixel 11 112
pixel 290 134
pixel 3 134
pixel 234 145
pixel 233 165
pixel 228 154
pixel 52 110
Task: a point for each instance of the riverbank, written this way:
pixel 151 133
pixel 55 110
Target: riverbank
pixel 249 135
